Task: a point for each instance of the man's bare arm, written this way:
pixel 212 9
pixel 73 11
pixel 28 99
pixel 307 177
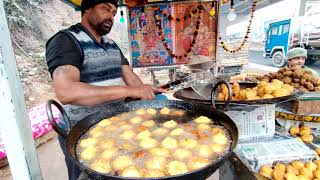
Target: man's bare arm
pixel 129 77
pixel 69 89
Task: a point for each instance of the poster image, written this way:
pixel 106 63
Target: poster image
pixel 147 46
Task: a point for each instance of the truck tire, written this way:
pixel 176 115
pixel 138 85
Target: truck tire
pixel 278 59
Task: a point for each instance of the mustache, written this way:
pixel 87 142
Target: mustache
pixel 108 21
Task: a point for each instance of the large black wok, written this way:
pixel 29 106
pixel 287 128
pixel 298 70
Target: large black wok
pixel 83 125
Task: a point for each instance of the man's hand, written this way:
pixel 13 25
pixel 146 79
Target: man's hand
pixel 145 92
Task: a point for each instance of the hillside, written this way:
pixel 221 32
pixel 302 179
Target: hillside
pixel 32 23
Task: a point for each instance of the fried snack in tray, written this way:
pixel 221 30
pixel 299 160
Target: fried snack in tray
pixel 296 77
pixel 295 170
pixel 264 90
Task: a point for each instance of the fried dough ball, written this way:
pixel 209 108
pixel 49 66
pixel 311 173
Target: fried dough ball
pixel 136 120
pixel 287 80
pixel 318 151
pixel 96 131
pixel 217 130
pixel 280 92
pixel 296 80
pixel 88 142
pixel 160 132
pixel 291 176
pixel 127 135
pixel 203 127
pixel 310 165
pixel 188 143
pixel 220 139
pixel 269 89
pixel 306 173
pixel 178 113
pixel 158 151
pixel 88 153
pixel 317 162
pixel 169 143
pixel 250 95
pixel 278 174
pixel 224 89
pixel 295 85
pixel 267 96
pixel 288 87
pixel 177 132
pixel 126 127
pixel 143 134
pixel 307 138
pixel 277 83
pixel 304 130
pixel 242 94
pixel 148 143
pixel 170 124
pixel 303 177
pixel 131 171
pixel 309 86
pixel 204 151
pixel 157 163
pixel 121 162
pixel 298 73
pixel 294 130
pixel 106 144
pixel 202 119
pixel 266 171
pixel 104 123
pixel 149 123
pixel 165 111
pixel 262 84
pixel 140 112
pixel 101 166
pixel 111 128
pixel 153 173
pixel 316 173
pixel 220 97
pixel 114 118
pixel 287 73
pixel 182 154
pixel 292 169
pixel 177 167
pixel 217 148
pixel 151 111
pixel 126 146
pixel 197 163
pixel 109 153
pixel 280 166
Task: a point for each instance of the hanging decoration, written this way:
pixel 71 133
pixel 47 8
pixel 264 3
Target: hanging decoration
pixel 122 18
pixel 195 33
pixel 246 37
pixel 232 12
pixel 184 18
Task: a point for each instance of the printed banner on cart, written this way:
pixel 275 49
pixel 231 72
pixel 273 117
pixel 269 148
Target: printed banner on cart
pixel 178 26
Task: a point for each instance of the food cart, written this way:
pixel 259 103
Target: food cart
pixel 261 145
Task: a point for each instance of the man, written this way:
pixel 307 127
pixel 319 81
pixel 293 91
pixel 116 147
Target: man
pixel 297 57
pixel 88 70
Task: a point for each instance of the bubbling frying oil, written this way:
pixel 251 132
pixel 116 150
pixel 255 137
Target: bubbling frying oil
pixel 152 143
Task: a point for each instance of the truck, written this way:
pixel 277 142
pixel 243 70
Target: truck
pixel 301 31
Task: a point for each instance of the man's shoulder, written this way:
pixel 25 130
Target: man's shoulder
pixel 63 34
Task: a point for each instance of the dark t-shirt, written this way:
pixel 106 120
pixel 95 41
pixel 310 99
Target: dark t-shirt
pixel 62 50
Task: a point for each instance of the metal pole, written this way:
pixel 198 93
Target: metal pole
pixel 15 125
pixel 217 62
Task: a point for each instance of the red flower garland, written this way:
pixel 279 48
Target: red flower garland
pixel 195 34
